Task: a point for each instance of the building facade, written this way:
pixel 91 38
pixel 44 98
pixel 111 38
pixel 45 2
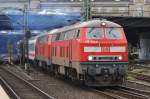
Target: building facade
pixel 99 7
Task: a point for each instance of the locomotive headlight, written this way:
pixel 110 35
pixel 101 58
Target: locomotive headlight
pixel 120 57
pixel 90 58
pixel 103 23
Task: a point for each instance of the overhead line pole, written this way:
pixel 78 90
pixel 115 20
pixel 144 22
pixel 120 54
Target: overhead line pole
pixel 86 10
pixel 26 30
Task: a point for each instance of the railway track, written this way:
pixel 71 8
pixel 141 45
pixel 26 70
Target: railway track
pixel 139 85
pixel 123 93
pixel 132 93
pixel 12 94
pixel 22 88
pixel 140 76
pixel 108 93
pixel 58 88
pixel 142 92
pixel 138 66
pixel 142 66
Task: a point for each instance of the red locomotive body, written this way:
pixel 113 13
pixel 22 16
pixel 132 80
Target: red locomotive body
pixel 94 52
pixel 43 50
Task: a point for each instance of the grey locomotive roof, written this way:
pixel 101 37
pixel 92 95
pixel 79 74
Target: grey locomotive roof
pixel 92 23
pixel 37 36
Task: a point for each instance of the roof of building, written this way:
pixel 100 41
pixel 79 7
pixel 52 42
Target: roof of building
pixel 91 0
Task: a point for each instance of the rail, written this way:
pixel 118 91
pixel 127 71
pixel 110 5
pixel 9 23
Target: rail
pixel 8 89
pixel 107 94
pixel 42 93
pixel 123 92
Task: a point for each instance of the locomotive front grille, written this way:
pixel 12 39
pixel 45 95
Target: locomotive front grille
pixel 104 58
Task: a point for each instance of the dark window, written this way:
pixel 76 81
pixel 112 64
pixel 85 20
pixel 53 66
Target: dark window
pixel 67 52
pixel 54 37
pixel 63 51
pixel 114 33
pixel 62 35
pixel 60 51
pixel 72 34
pixel 95 33
pixel 55 51
pixel 43 38
pixel 57 36
pixel 78 34
pixel 67 35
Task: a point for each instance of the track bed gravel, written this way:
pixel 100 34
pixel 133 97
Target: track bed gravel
pixel 59 89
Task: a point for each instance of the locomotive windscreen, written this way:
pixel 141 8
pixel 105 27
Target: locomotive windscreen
pixel 114 33
pixel 95 33
pixel 108 32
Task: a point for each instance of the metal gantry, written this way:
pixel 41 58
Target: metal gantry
pixel 86 10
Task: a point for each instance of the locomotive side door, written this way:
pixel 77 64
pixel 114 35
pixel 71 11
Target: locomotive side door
pixel 70 53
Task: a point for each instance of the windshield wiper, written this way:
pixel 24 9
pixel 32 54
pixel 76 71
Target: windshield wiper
pixel 91 30
pixel 110 30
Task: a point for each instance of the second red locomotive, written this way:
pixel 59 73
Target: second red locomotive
pixel 94 52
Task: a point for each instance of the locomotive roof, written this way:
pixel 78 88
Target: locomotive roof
pixel 37 36
pixel 92 23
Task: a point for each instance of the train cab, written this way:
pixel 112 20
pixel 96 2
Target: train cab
pixel 93 52
pixel 104 55
pixel 104 43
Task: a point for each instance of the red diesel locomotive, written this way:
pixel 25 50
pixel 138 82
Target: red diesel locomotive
pixel 94 52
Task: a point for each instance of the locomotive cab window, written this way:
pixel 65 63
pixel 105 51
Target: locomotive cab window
pixel 43 38
pixel 78 33
pixel 95 33
pixel 54 37
pixel 62 35
pixel 57 36
pixel 114 33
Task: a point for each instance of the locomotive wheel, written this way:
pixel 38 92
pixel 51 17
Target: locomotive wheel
pixel 70 73
pixel 66 72
pixel 81 79
pixel 73 74
pixel 35 63
pixel 46 67
pixel 56 70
